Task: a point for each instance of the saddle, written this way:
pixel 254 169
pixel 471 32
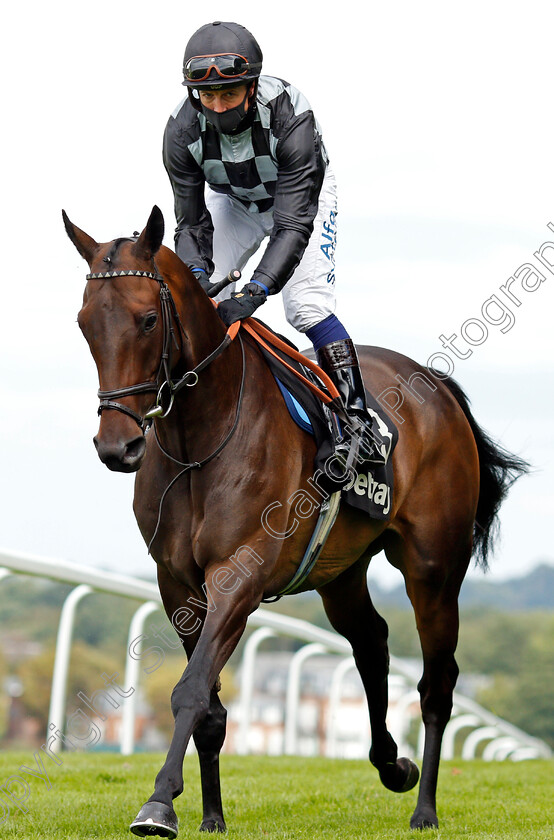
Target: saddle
pixel 314 405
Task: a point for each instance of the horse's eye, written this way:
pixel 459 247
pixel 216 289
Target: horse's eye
pixel 149 322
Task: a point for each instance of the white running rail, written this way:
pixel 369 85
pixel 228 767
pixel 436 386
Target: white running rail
pixel 504 740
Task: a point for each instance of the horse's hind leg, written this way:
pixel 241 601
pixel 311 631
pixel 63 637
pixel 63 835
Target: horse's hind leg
pixel 433 585
pixel 438 622
pixel 351 612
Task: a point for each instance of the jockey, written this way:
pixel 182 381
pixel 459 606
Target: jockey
pixel 255 142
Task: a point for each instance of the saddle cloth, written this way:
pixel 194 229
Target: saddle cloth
pixel 368 486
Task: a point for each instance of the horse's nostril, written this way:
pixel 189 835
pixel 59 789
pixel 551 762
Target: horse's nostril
pixel 119 455
pixel 135 449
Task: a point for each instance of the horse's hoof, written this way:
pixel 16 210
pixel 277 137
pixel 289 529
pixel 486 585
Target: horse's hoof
pixel 424 818
pixel 155 818
pixel 400 775
pixel 213 825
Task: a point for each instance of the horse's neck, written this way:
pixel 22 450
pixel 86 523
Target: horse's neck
pixel 202 327
pixel 204 411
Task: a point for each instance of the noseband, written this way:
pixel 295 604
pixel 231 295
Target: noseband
pixel 170 315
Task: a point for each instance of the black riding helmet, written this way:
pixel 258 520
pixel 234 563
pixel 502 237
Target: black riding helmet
pixel 221 54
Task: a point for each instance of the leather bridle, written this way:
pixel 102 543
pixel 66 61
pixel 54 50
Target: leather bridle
pixel 109 400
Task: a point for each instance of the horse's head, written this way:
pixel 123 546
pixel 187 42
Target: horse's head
pixel 123 323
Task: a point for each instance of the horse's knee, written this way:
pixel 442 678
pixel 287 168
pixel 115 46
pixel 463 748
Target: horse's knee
pixel 190 697
pixel 209 735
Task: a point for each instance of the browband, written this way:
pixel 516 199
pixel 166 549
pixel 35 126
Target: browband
pixel 106 275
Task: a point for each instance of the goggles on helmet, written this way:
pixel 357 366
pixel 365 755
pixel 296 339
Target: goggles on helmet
pixel 226 65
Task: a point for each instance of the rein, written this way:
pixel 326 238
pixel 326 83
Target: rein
pixel 108 399
pixel 170 315
pixel 196 465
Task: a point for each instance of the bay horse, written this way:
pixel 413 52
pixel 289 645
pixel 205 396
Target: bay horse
pixel 221 451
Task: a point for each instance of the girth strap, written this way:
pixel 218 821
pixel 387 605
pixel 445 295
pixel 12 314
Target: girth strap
pixel 327 516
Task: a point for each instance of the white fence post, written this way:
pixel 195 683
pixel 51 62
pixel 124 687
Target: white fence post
pixel 132 674
pixel 499 749
pixel 472 741
pixel 293 693
pixel 56 717
pixel 452 728
pixel 400 734
pixel 335 695
pixel 247 685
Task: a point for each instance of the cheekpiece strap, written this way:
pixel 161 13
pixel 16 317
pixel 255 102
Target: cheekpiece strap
pixel 107 275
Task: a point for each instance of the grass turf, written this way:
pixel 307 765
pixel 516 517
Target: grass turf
pixel 96 795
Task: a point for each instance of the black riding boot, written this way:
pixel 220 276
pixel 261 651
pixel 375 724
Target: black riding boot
pixel 340 361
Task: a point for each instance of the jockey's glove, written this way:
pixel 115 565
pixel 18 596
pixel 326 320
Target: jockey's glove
pixel 241 304
pixel 202 278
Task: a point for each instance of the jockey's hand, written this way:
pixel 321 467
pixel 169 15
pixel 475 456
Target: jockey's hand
pixel 202 278
pixel 241 304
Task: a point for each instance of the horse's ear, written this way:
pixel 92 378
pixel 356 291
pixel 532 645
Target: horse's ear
pixel 84 243
pixel 149 242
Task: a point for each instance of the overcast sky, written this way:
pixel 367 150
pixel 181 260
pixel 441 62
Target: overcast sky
pixel 438 120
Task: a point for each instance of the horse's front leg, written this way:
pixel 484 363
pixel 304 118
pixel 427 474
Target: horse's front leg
pixel 228 606
pixel 209 736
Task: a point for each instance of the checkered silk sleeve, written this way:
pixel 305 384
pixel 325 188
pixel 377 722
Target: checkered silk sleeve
pixel 277 164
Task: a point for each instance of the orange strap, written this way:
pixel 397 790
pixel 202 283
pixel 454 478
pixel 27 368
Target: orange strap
pixel 259 333
pixel 233 330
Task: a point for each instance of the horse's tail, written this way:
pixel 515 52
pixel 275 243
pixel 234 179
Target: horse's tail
pixel 499 469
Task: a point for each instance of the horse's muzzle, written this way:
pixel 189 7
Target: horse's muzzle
pixel 121 456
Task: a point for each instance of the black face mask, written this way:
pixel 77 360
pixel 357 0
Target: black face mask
pixel 230 121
